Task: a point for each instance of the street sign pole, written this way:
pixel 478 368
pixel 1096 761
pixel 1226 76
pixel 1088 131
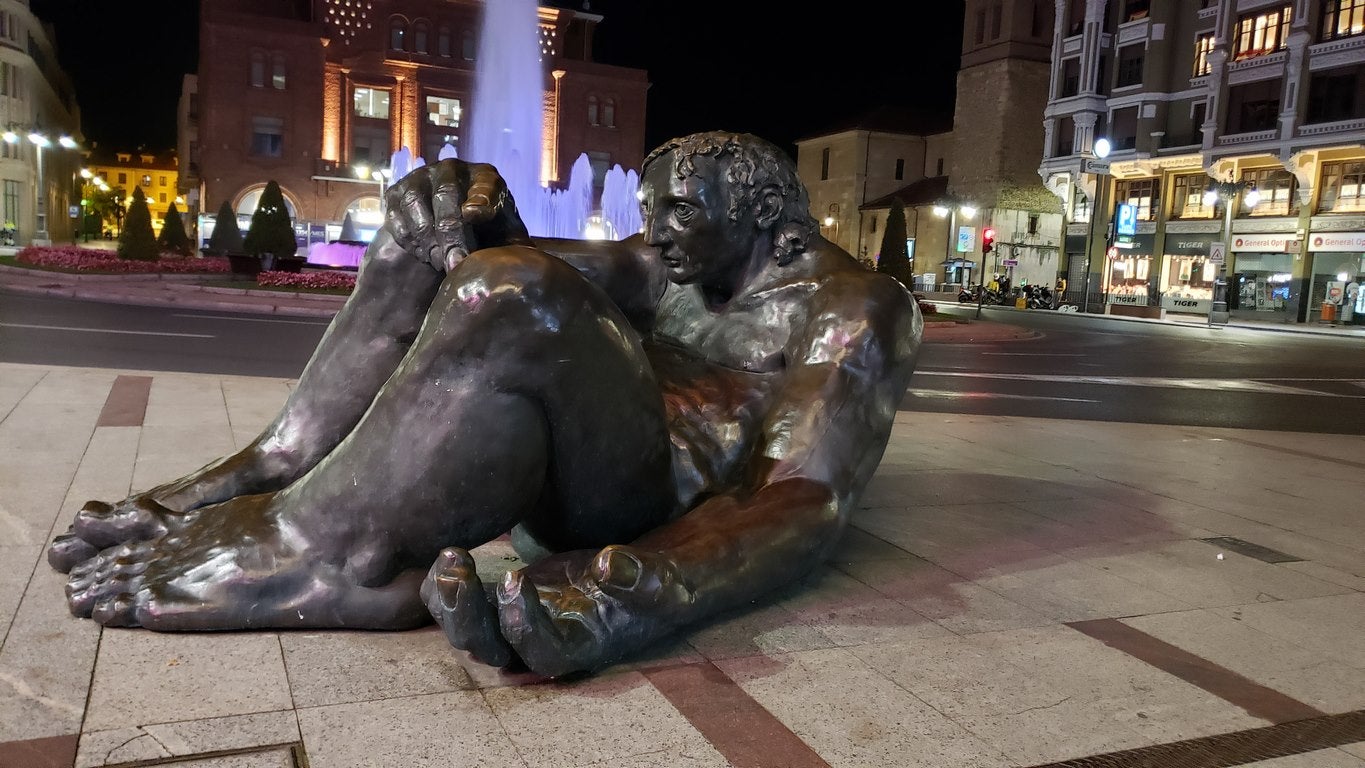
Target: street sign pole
pixel 1218 254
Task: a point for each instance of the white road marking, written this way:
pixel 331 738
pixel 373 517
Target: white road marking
pixel 252 319
pixel 106 330
pixel 942 393
pixel 1237 385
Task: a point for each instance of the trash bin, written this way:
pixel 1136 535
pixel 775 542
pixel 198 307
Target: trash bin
pixel 1021 303
pixel 1329 312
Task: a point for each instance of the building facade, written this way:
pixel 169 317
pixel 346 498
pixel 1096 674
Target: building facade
pixel 318 94
pixel 1233 122
pixel 156 174
pixel 38 175
pixel 956 182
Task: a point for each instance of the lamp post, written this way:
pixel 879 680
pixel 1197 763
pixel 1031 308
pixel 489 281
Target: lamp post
pixel 950 209
pixel 40 141
pixel 1228 192
pixel 1100 213
pixel 381 175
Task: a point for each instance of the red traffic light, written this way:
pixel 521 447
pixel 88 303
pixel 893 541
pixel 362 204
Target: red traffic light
pixel 987 240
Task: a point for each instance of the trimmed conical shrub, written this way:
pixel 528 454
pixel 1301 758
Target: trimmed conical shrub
pixel 270 230
pixel 137 241
pixel 348 231
pixel 894 258
pixel 227 236
pixel 173 237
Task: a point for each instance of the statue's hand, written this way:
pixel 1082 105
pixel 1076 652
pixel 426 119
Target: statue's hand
pixel 442 211
pixel 570 612
pixel 582 610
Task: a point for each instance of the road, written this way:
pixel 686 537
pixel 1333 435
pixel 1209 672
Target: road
pixel 1151 373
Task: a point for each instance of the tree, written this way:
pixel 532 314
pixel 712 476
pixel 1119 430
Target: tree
pixel 894 259
pixel 173 237
pixel 227 236
pixel 137 241
pixel 102 203
pixel 348 231
pixel 270 230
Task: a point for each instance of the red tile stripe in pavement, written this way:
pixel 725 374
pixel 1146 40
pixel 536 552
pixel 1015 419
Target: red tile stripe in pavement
pixel 1256 699
pixel 745 733
pixel 126 404
pixel 51 752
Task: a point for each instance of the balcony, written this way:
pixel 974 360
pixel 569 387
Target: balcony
pixel 1336 53
pixel 1248 138
pixel 1255 68
pixel 1354 127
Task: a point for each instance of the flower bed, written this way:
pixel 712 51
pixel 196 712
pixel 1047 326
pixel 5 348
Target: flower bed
pixel 73 258
pixel 342 282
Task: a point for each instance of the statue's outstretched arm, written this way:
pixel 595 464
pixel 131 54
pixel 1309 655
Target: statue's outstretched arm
pixel 821 443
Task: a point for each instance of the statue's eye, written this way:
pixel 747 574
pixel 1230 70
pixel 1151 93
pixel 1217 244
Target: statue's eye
pixel 684 211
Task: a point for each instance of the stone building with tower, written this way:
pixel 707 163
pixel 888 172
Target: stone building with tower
pixel 318 94
pixel 1233 122
pixel 955 181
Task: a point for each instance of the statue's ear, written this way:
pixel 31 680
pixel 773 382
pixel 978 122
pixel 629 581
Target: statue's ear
pixel 768 206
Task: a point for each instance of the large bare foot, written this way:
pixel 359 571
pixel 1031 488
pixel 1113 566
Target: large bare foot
pixel 244 568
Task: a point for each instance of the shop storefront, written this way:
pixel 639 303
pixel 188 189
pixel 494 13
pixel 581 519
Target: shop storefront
pixel 1263 271
pixel 1338 259
pixel 1187 274
pixel 1129 276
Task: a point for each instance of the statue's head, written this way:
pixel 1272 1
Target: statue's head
pixel 750 166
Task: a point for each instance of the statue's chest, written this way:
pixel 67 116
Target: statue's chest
pixel 745 336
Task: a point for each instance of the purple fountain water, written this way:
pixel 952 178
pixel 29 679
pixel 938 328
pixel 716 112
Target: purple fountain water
pixel 505 129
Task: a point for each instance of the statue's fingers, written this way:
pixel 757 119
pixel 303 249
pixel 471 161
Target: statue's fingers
pixel 486 191
pixel 454 238
pixel 638 579
pixel 407 210
pixel 533 634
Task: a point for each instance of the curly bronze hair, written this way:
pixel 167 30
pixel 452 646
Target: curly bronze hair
pixel 754 164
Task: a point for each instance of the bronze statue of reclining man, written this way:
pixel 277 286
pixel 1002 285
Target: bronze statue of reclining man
pixel 671 425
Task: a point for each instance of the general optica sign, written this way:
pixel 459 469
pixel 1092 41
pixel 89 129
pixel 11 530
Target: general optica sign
pixel 1261 243
pixel 1337 242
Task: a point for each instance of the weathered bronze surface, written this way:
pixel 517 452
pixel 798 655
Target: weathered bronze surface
pixel 675 424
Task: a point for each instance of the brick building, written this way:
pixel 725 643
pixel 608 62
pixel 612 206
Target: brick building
pixel 317 94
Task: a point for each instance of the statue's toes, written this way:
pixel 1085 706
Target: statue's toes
pixel 101 525
pixel 68 551
pixel 118 610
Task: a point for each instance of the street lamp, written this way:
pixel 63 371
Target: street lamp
pixel 381 175
pixel 1228 192
pixel 1100 211
pixel 950 209
pixel 40 142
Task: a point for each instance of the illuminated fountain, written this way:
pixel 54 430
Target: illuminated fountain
pixel 505 130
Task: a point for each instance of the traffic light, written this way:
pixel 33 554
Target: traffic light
pixel 987 240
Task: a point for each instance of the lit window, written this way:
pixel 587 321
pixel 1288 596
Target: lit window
pixel 1203 46
pixel 371 102
pixel 1343 187
pixel 277 77
pixel 443 111
pixel 1262 33
pixel 1141 194
pixel 1343 18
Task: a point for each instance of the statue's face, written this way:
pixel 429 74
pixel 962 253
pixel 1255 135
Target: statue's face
pixel 688 221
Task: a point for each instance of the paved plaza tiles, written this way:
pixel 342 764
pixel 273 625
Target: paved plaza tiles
pixel 1012 592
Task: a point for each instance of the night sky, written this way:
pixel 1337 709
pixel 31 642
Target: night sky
pixel 781 70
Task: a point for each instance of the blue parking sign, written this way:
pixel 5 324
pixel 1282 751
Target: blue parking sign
pixel 1127 224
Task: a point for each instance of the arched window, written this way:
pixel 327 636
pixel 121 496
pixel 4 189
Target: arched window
pixel 398 33
pixel 592 111
pixel 609 113
pixel 443 41
pixel 252 198
pixel 257 69
pixel 420 31
pixel 467 45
